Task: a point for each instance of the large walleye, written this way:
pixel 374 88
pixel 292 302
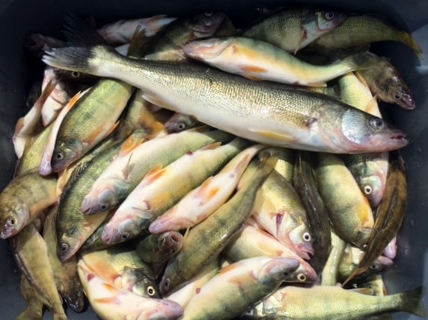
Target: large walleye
pixel 268 113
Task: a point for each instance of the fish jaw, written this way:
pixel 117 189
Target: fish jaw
pixel 376 191
pixel 278 269
pixel 302 242
pixel 206 49
pixel 127 228
pixel 14 221
pixel 65 153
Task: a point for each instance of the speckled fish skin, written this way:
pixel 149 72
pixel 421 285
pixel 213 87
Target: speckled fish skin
pixel 34 309
pixel 23 199
pixel 349 211
pixel 65 273
pixel 206 240
pixel 285 164
pixel 361 30
pixel 131 165
pixel 281 213
pixel 123 268
pixel 234 288
pixel 31 254
pixel 268 112
pixel 370 170
pixel 330 272
pixel 253 242
pixel 110 302
pixel 334 303
pixel 199 203
pixel 161 188
pixel 258 60
pixel 158 248
pixel 293 29
pixel 73 226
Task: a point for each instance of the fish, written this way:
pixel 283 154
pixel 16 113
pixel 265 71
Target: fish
pixel 110 302
pixel 158 248
pixel 65 273
pixel 123 268
pixel 199 203
pixel 135 160
pixel 34 309
pixel 26 126
pixel 74 227
pixel 161 188
pixel 180 122
pixel 30 253
pixel 254 242
pixel 281 213
pixel 369 170
pixel 285 164
pixel 168 44
pixel 361 30
pixel 386 84
pixel 258 60
pixel 205 241
pixel 349 211
pixel 121 31
pixel 94 242
pixel 228 294
pixel 23 199
pixel 334 303
pixel 267 111
pixel 389 215
pixel 330 272
pixel 292 29
pixel 391 249
pixel 316 211
pixel 184 294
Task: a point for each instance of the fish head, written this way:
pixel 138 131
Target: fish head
pixel 328 20
pixel 277 269
pixel 14 218
pixel 204 25
pixel 170 242
pixel 65 153
pixel 161 309
pixel 366 133
pixel 302 241
pixel 67 247
pixel 99 200
pixel 126 229
pixel 379 265
pixel 399 93
pixel 75 298
pixel 303 274
pixel 206 50
pixel 179 122
pixel 373 188
pixel 138 281
pixel 362 237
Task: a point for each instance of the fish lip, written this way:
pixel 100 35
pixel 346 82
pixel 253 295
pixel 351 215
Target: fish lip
pixel 305 251
pixel 8 232
pixel 407 102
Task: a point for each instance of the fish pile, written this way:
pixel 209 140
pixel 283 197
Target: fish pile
pixel 264 186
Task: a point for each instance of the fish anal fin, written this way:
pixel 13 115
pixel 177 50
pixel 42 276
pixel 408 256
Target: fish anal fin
pixel 154 174
pixel 274 136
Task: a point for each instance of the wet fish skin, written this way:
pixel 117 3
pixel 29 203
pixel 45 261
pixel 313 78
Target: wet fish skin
pixel 228 294
pixel 285 164
pixel 330 272
pixel 23 199
pixel 34 309
pixel 158 248
pixel 293 29
pixel 205 241
pixel 335 303
pixel 180 122
pixel 268 110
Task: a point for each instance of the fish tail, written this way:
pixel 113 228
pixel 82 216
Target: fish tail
pixel 411 43
pixel 84 51
pixel 411 301
pixel 358 61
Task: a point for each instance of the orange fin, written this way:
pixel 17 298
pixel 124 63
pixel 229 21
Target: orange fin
pixel 274 136
pixel 317 84
pixel 372 107
pixel 252 69
pixel 109 300
pixel 302 37
pixel 206 191
pixel 211 146
pixel 130 145
pixel 361 78
pixel 154 174
pixel 128 168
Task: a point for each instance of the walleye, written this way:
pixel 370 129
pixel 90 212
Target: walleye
pixel 199 203
pixel 334 303
pixel 180 122
pixel 23 199
pixel 259 60
pixel 268 113
pixel 294 29
pixel 110 302
pixel 206 240
pixel 161 188
pixel 285 164
pixel 158 248
pixel 234 288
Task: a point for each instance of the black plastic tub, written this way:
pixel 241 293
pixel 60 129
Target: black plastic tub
pixel 17 72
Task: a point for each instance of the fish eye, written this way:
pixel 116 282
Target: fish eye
pixel 398 95
pixel 59 156
pixel 286 274
pixel 374 267
pixel 125 236
pixel 181 126
pixel 208 13
pixel 11 221
pixel 166 284
pixel 75 74
pixel 301 277
pixel 364 247
pixel 329 15
pixel 63 247
pixel 368 190
pixel 307 237
pixel 376 123
pixel 104 206
pixel 151 291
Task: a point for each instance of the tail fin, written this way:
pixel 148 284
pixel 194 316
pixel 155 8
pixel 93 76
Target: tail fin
pixel 358 61
pixel 84 51
pixel 412 302
pixel 412 44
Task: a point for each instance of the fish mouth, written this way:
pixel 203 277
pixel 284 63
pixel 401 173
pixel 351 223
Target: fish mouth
pixel 8 232
pixel 407 102
pixel 305 251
